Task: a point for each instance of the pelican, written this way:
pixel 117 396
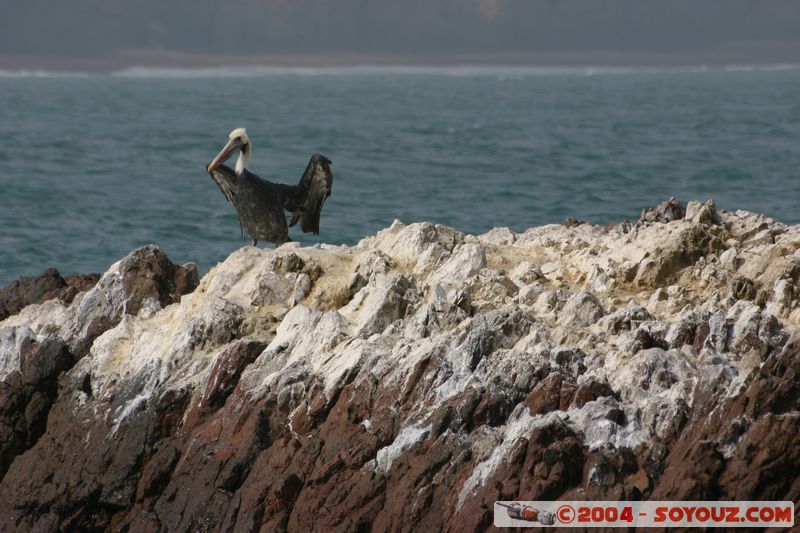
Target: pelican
pixel 260 203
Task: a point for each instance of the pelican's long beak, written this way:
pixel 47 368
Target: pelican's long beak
pixel 225 153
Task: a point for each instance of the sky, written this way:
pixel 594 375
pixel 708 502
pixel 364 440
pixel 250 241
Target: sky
pixel 502 30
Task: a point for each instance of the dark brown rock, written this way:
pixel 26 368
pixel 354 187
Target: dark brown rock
pixel 147 273
pixel 553 392
pixel 27 395
pixel 666 211
pixel 572 222
pixel 242 466
pixel 49 284
pixel 223 377
pixel 28 290
pixel 591 390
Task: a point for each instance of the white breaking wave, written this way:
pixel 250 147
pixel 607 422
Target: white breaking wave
pixel 768 68
pixel 366 70
pixel 499 71
pixel 42 74
pixel 450 71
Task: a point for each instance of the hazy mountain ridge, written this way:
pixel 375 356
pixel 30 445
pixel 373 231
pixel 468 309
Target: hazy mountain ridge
pixel 88 28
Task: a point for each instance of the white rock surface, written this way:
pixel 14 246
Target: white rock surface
pixel 608 304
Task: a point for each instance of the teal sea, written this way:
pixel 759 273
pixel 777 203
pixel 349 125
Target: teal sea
pixel 92 166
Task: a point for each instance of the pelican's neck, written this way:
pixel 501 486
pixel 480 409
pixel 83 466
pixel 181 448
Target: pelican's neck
pixel 244 158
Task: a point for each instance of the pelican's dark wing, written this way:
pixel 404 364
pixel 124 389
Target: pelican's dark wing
pixel 305 200
pixel 227 180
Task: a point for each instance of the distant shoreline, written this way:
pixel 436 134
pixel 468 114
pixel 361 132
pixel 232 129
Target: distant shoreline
pixel 455 71
pixel 755 56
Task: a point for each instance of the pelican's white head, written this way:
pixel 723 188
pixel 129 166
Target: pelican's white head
pixel 239 133
pixel 238 139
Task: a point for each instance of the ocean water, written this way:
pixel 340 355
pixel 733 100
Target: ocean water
pixel 94 166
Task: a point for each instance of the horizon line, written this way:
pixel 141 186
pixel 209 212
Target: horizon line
pixel 454 70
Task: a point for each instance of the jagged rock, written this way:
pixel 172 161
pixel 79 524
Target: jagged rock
pixel 223 375
pixel 144 280
pixel 525 273
pixel 49 284
pixel 466 260
pixel 571 222
pixel 666 211
pixel 626 319
pixel 529 294
pixel 384 300
pixel 582 309
pixel 680 245
pixel 590 391
pixel 408 382
pixel 551 394
pixel 499 236
pixel 26 396
pixel 702 212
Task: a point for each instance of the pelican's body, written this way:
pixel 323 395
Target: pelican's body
pixel 260 203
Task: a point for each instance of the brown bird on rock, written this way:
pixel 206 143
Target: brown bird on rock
pixel 260 204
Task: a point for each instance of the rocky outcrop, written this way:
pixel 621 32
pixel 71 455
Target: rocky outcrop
pixel 408 382
pixel 45 339
pixel 46 286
